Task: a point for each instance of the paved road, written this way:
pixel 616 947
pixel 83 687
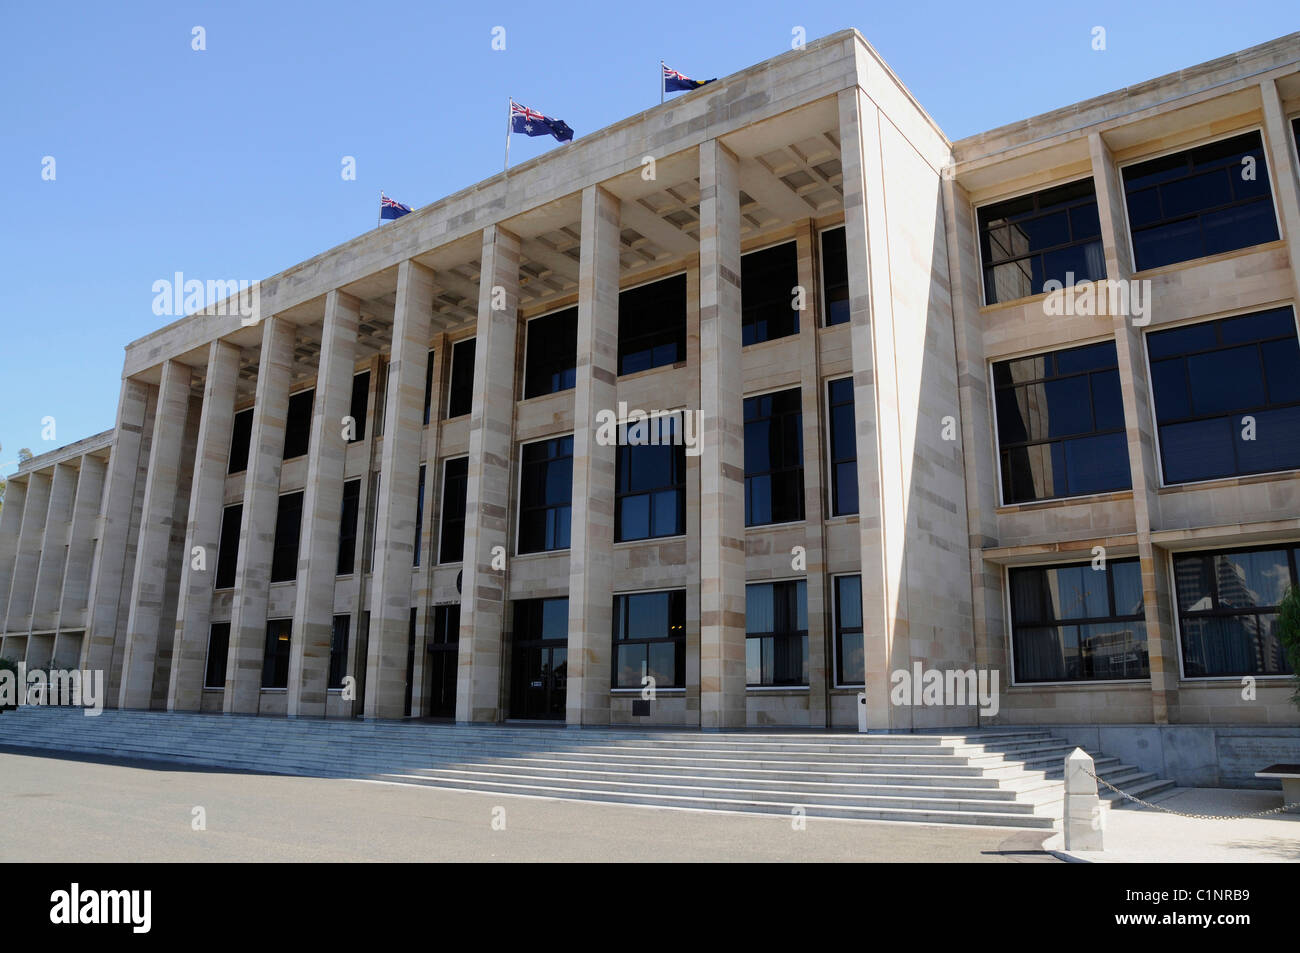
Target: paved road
pixel 59 809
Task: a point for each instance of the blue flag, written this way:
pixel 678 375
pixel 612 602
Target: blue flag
pixel 390 209
pixel 532 123
pixel 676 82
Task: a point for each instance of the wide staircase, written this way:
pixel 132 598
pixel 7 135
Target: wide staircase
pixel 1006 777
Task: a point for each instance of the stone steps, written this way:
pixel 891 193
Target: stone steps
pixel 1000 777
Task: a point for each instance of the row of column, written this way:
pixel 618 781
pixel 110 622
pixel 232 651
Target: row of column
pixel 142 553
pixel 47 529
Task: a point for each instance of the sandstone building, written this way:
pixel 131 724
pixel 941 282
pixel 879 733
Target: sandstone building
pixel 907 453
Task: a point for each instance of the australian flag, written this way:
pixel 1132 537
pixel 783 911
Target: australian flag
pixel 532 123
pixel 390 208
pixel 676 82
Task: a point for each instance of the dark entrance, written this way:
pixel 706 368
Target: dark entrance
pixel 444 658
pixel 539 658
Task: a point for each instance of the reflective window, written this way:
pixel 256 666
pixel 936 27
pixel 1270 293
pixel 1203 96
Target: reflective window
pixel 1076 623
pixel 1053 235
pixel 228 548
pixel 650 494
pixel 545 495
pixel 850 661
pixel 844 447
pixel 241 436
pixel 297 424
pixel 214 674
pixel 455 485
pixel 767 282
pixel 551 361
pixel 1207 200
pixel 1060 423
pixel 774 458
pixel 461 401
pixel 428 387
pixel 650 639
pixel 1227 610
pixel 776 633
pixel 348 527
pixel 275 657
pixel 652 325
pixel 288 528
pixel 419 517
pixel 360 403
pixel 1227 396
pixel 835 277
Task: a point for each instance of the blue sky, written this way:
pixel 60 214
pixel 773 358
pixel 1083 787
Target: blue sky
pixel 225 163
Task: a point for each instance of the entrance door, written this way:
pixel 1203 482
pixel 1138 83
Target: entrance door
pixel 444 658
pixel 539 659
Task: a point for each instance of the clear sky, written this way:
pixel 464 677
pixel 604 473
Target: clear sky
pixel 226 163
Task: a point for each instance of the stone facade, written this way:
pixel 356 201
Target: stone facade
pixel 97 539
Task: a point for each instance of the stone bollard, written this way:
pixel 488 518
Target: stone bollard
pixel 1082 820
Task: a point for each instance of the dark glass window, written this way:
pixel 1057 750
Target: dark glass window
pixel 1060 420
pixel 1077 624
pixel 446 624
pixel 835 276
pixel 228 548
pixel 428 387
pixel 1053 235
pixel 339 650
pixel 552 357
pixel 650 639
pixel 241 436
pixel 767 282
pixel 850 662
pixel 844 448
pixel 410 664
pixel 650 499
pixel 360 403
pixel 1208 378
pixel 545 495
pixel 419 516
pixel 1207 200
pixel 372 518
pixel 541 619
pixel 275 658
pixel 214 675
pixel 652 325
pixel 297 424
pixel 455 484
pixel 288 527
pixel 1227 610
pixel 774 458
pixel 461 401
pixel 776 633
pixel 348 527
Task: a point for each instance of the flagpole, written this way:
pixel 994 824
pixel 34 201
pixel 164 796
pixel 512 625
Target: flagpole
pixel 380 221
pixel 661 82
pixel 509 110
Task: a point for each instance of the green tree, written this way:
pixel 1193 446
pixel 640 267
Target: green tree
pixel 1289 629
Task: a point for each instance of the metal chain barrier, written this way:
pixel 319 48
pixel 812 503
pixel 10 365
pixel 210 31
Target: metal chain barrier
pixel 1203 817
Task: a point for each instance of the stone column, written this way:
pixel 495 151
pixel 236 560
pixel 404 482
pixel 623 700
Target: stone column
pixel 257 522
pixel 390 605
pixel 318 551
pixel 812 390
pixel 1162 645
pixel 11 522
pixel 1279 145
pixel 722 464
pixel 112 566
pixel 203 528
pixel 153 551
pixel 487 495
pixel 54 547
pixel 591 556
pixel 860 160
pixel 31 535
pixel 81 543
